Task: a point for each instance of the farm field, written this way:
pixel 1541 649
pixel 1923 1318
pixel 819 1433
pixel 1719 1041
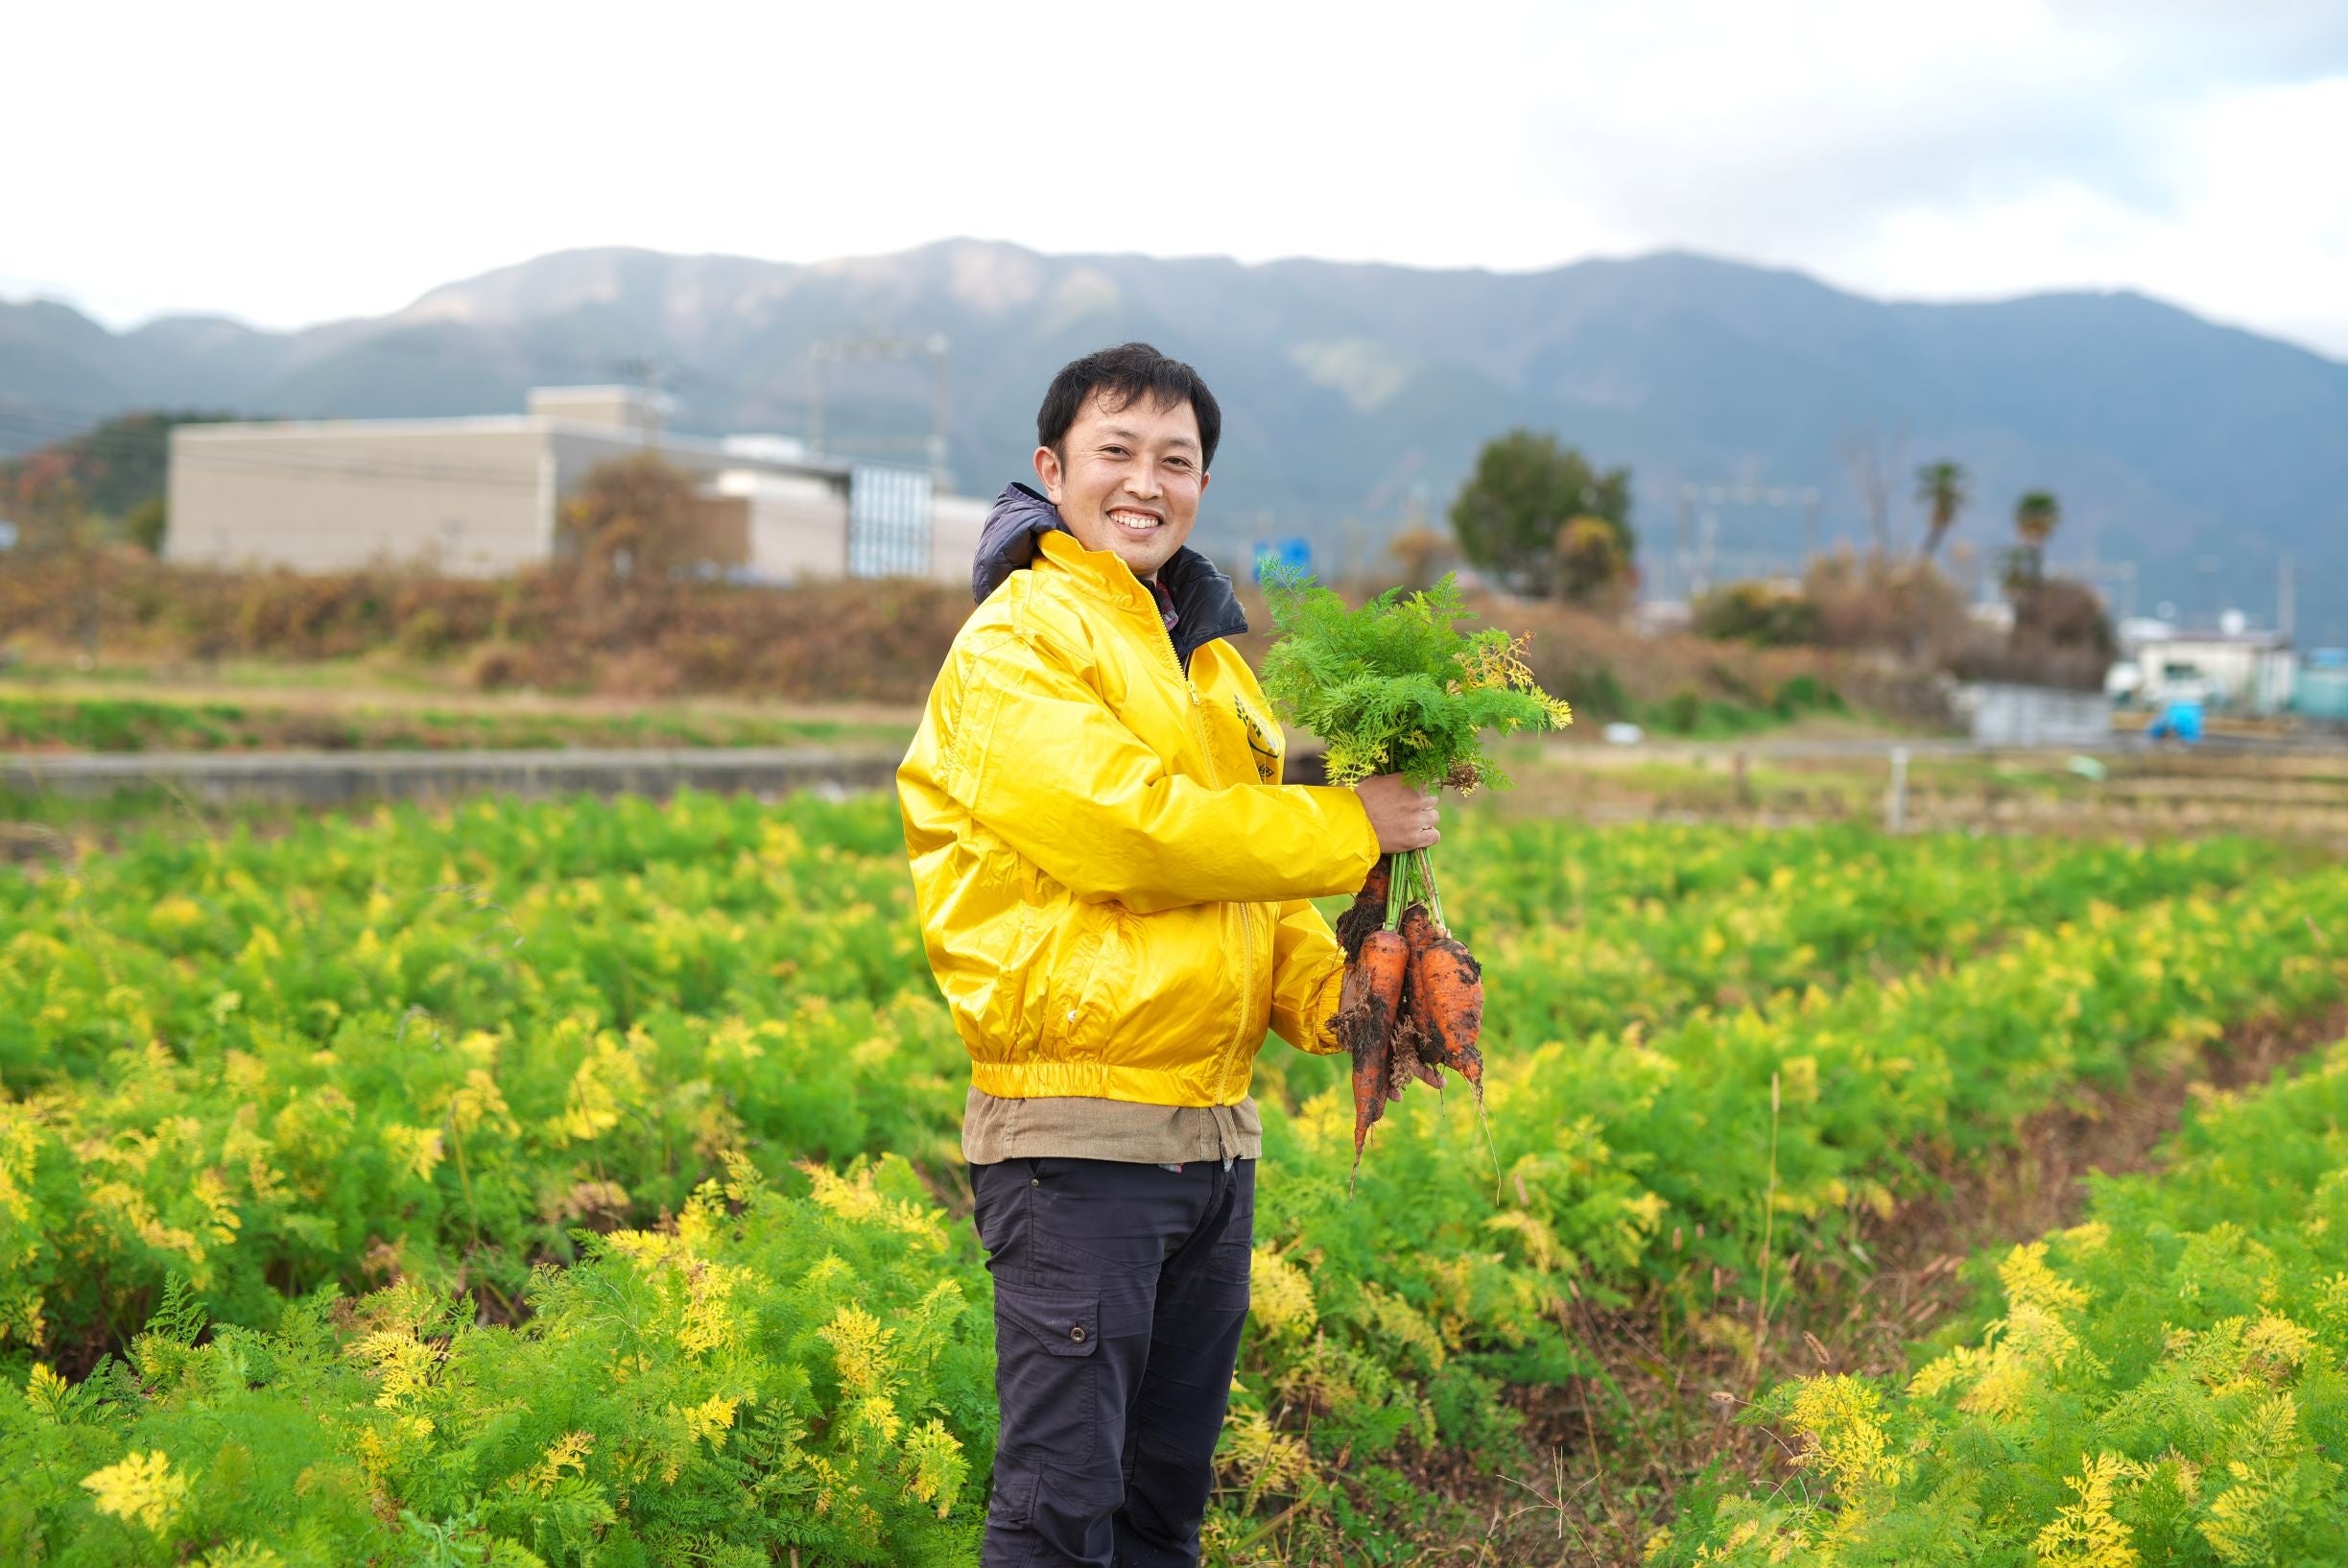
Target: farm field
pixel 2295 792
pixel 578 1181
pixel 2162 1383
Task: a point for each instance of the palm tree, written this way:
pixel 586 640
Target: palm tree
pixel 1941 487
pixel 2036 516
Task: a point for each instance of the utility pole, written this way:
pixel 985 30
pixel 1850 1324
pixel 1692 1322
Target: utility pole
pixel 651 372
pixel 1687 540
pixel 2284 606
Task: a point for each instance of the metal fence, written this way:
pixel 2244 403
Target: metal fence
pixel 889 521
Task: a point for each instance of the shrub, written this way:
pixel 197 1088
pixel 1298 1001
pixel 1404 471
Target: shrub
pixel 1764 613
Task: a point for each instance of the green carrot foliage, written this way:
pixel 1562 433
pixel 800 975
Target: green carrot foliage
pixel 354 1179
pixel 1396 687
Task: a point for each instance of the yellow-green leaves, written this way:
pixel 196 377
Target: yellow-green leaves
pixel 142 1489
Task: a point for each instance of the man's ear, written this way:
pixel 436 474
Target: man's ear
pixel 1048 470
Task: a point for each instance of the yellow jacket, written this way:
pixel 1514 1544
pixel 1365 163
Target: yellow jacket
pixel 1112 882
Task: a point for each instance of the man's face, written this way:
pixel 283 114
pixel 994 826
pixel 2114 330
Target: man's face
pixel 1131 481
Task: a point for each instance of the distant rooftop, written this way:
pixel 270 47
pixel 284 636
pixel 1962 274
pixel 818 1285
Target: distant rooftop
pixel 2232 628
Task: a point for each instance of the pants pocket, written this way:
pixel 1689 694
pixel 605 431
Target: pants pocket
pixel 1046 1345
pixel 1013 1501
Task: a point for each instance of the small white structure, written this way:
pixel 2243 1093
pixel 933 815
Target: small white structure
pixel 1994 615
pixel 2003 713
pixel 2232 665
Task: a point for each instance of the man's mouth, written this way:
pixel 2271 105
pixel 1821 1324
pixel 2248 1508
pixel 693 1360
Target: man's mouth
pixel 1135 523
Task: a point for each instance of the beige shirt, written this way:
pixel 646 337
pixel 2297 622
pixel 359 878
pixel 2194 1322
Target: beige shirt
pixel 1071 1127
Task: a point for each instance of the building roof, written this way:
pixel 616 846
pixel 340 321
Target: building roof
pixel 713 451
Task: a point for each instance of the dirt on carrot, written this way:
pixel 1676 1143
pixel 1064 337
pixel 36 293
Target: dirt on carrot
pixel 1369 908
pixel 1366 1029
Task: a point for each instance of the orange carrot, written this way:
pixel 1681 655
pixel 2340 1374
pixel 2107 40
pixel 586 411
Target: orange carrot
pixel 1367 912
pixel 1415 1053
pixel 1448 987
pixel 1367 1029
pixel 1418 931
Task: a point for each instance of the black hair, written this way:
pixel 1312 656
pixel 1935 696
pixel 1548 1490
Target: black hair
pixel 1122 374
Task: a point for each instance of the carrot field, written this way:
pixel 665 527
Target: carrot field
pixel 578 1182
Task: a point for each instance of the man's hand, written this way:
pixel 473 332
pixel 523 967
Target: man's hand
pixel 1403 814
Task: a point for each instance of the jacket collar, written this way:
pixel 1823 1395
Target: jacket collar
pixel 1024 524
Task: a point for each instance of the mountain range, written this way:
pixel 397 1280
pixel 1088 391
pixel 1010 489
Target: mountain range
pixel 1355 395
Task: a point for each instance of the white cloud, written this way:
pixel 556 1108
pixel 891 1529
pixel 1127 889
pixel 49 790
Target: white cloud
pixel 2253 230
pixel 292 163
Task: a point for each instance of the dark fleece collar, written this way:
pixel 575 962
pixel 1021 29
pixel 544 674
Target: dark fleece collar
pixel 1205 605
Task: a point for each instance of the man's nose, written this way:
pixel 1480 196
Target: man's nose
pixel 1143 483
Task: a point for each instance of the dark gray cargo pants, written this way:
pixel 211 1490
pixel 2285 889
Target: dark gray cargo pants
pixel 1120 1293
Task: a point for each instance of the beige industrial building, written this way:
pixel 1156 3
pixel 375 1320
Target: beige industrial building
pixel 482 497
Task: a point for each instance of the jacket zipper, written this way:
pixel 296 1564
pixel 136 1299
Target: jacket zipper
pixel 1246 912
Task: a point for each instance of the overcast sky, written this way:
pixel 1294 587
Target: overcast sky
pixel 292 164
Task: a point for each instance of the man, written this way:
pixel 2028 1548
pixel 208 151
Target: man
pixel 1113 882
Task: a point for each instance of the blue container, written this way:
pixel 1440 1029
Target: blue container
pixel 2321 694
pixel 2177 721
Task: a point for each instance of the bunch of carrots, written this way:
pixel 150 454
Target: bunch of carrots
pixel 1413 999
pixel 1397 687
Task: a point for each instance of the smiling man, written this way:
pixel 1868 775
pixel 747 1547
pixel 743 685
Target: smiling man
pixel 1113 886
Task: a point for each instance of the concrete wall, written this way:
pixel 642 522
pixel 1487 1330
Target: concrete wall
pixel 473 498
pixel 2006 715
pixel 797 523
pixel 343 778
pixel 955 524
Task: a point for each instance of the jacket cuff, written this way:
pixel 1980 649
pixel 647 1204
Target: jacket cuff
pixel 1320 1037
pixel 1365 848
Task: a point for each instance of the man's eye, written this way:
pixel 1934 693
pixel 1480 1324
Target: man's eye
pixel 1114 451
pixel 1177 463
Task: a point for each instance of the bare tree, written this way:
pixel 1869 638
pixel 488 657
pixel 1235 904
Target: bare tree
pixel 1873 456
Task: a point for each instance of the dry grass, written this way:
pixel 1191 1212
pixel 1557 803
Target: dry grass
pixel 551 630
pixel 559 629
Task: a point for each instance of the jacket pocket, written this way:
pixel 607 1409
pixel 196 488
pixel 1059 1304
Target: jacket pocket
pixel 1076 1010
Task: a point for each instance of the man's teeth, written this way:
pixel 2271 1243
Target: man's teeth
pixel 1133 519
